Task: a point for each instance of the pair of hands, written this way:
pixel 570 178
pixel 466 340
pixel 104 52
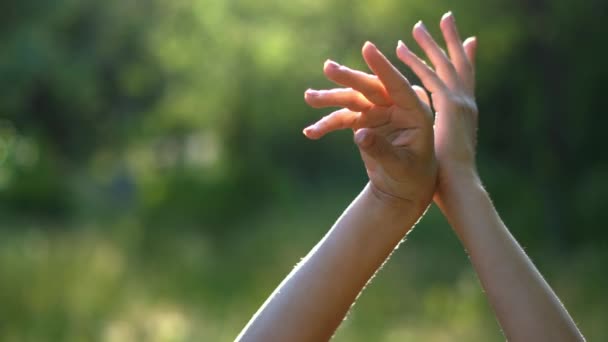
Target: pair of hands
pixel 409 154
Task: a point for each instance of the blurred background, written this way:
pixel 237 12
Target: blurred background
pixel 155 184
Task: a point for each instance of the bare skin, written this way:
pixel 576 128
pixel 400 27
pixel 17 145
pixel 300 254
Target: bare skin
pixel 525 305
pixel 407 165
pixel 394 133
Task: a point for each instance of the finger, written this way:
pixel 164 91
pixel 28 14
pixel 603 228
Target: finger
pixel 470 48
pixel 394 82
pixel 454 45
pixel 368 85
pixel 422 95
pixel 375 148
pixel 340 119
pixel 375 117
pixel 427 75
pixel 340 97
pixel 436 55
pixel 345 118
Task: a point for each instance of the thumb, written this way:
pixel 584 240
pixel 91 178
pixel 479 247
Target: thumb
pixel 422 95
pixel 375 149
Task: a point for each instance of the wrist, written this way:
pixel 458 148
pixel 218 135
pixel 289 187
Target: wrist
pixel 460 201
pixel 393 206
pixel 456 184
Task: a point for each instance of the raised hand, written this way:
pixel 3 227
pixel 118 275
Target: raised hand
pixel 393 127
pixel 394 132
pixel 452 87
pixel 526 307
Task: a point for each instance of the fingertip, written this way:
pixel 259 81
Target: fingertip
pixel 447 22
pixel 371 53
pixel 310 92
pixel 311 133
pixel 470 41
pixel 363 138
pixel 420 26
pixel 368 47
pixel 309 97
pixel 470 48
pixel 448 16
pixel 419 30
pixel 307 93
pixel 402 49
pixel 422 94
pixel 330 65
pixel 306 132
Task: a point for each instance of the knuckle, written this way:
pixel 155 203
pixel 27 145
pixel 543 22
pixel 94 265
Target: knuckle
pixel 372 93
pixel 462 103
pixel 342 122
pixel 315 103
pixel 324 121
pixel 353 104
pixel 345 121
pixel 450 66
pixel 464 65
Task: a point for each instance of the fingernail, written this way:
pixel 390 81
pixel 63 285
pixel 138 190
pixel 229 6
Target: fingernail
pixel 368 43
pixel 330 63
pixel 309 130
pixel 362 138
pixel 401 47
pixel 421 25
pixel 311 92
pixel 448 15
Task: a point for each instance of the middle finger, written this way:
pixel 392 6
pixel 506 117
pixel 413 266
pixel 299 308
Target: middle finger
pixel 368 85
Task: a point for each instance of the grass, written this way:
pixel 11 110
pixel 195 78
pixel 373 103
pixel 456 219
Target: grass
pixel 121 281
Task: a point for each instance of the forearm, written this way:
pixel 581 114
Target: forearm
pixel 526 307
pixel 314 298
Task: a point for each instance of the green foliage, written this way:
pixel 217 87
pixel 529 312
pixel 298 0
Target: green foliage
pixel 153 174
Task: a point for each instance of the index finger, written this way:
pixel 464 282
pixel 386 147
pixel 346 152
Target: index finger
pixel 397 86
pixel 368 85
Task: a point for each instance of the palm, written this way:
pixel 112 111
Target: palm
pixel 411 141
